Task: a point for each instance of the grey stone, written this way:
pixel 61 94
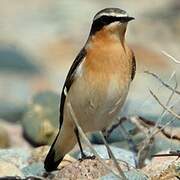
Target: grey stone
pixel 16 72
pixel 14 59
pixel 34 169
pixel 115 136
pixel 136 175
pixel 7 168
pixel 120 154
pixel 110 176
pixel 11 111
pixel 18 157
pixel 162 143
pixel 40 122
pixel 130 175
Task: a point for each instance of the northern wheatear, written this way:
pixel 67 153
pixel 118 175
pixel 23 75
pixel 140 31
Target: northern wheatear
pixel 97 83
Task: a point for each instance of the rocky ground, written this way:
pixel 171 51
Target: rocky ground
pixel 38 42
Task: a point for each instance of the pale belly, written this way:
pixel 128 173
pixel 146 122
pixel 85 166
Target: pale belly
pixel 96 107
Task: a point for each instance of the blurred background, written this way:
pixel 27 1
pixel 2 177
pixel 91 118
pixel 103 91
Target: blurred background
pixel 39 39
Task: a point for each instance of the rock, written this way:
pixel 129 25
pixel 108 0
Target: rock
pixel 14 59
pixel 38 155
pixel 7 168
pixel 27 163
pixel 115 136
pixel 4 137
pixel 68 159
pixel 15 65
pixel 163 168
pixel 162 143
pixel 13 136
pixel 34 169
pixel 16 156
pixel 91 169
pixel 12 111
pixel 136 175
pixel 140 100
pixel 130 175
pixel 40 122
pixel 110 176
pixel 87 169
pixel 120 154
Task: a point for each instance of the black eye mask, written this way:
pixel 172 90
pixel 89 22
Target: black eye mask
pixel 99 23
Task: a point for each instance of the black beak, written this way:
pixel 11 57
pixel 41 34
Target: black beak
pixel 127 19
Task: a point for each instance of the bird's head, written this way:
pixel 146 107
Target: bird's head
pixel 113 20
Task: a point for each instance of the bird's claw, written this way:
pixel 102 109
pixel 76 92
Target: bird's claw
pixel 84 156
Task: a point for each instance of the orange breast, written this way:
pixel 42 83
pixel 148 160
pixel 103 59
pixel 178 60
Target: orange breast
pixel 107 59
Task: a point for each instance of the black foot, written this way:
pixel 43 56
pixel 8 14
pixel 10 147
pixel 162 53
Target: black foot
pixel 84 156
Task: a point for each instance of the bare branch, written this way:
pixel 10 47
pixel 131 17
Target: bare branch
pixel 113 157
pixel 119 175
pixel 165 107
pixel 171 153
pixel 171 57
pixel 158 89
pixel 162 129
pixel 165 111
pixel 146 145
pixel 162 82
pixel 173 92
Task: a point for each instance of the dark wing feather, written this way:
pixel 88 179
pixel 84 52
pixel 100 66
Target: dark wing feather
pixel 133 72
pixel 69 81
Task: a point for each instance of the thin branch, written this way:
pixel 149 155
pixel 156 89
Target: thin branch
pixel 171 57
pixel 173 92
pixel 131 143
pixel 168 110
pixel 35 177
pixel 159 128
pixel 146 145
pixel 147 99
pixel 113 157
pixel 125 134
pixel 119 175
pixel 165 107
pixel 171 153
pixel 139 125
pixel 162 82
pixel 168 101
pixel 162 129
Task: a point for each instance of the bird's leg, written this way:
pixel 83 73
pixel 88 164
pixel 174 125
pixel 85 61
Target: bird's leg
pixel 83 155
pixel 104 132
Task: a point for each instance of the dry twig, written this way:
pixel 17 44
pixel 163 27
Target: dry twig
pixel 171 57
pixel 171 153
pixel 112 156
pixel 164 106
pixel 162 82
pixel 147 142
pixel 154 130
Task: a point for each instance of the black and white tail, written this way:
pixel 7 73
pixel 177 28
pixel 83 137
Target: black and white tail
pixel 63 143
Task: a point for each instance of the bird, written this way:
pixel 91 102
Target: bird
pixel 97 83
